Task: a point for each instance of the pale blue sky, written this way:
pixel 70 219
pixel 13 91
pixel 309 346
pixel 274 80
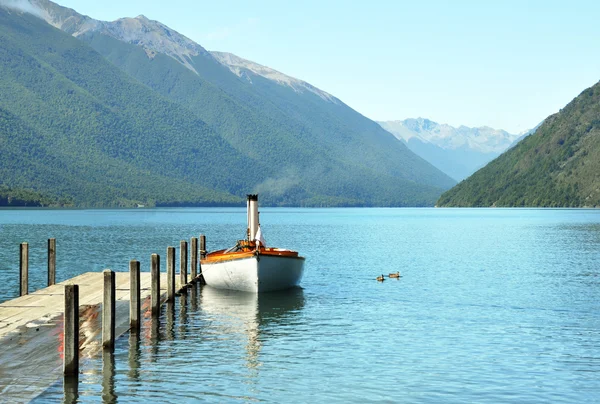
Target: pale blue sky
pixel 505 64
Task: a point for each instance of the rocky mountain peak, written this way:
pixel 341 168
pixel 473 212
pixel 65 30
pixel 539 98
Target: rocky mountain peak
pixel 482 139
pixel 419 124
pixel 241 67
pixel 153 36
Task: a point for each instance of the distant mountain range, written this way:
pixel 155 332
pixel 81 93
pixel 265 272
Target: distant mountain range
pixel 458 152
pixel 131 112
pixel 556 166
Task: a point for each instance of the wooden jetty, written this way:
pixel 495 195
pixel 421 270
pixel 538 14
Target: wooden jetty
pixel 32 330
pixel 44 334
pixel 48 303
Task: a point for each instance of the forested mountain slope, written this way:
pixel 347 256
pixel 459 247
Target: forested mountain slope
pixel 131 112
pixel 321 150
pixel 557 166
pixel 73 126
pixel 456 151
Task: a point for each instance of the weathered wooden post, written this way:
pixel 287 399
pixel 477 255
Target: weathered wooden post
pixel 108 310
pixel 202 246
pixel 202 256
pixel 194 259
pixel 51 261
pixel 183 262
pixel 24 269
pixel 71 330
pixel 155 280
pixel 170 274
pixel 134 296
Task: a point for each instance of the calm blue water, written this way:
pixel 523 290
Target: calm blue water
pixel 493 306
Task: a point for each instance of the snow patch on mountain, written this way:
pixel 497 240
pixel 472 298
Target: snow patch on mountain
pixel 483 139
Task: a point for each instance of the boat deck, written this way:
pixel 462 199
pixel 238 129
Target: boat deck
pixel 227 255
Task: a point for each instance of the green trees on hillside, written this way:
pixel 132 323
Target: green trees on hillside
pixel 323 145
pixel 28 198
pixel 73 127
pixel 76 130
pixel 557 166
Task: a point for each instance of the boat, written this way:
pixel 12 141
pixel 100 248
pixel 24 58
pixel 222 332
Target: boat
pixel 250 265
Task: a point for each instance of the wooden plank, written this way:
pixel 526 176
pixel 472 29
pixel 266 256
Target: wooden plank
pixel 48 303
pixel 31 348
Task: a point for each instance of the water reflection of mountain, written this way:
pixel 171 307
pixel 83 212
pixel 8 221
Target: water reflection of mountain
pixel 255 315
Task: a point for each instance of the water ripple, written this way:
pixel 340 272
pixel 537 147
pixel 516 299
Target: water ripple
pixel 493 306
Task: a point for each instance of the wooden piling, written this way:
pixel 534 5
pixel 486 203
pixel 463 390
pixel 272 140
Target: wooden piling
pixel 71 330
pixel 108 310
pixel 202 256
pixel 155 288
pixel 24 269
pixel 194 259
pixel 170 274
pixel 134 296
pixel 183 262
pixel 202 246
pixel 51 261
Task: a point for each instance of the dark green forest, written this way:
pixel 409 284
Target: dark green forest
pixel 328 150
pixel 82 129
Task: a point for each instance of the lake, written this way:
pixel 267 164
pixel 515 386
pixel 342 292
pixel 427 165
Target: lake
pixel 494 305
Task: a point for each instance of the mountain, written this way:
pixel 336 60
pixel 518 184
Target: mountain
pixel 75 128
pixel 305 147
pixel 523 135
pixel 246 69
pixel 458 152
pixel 556 166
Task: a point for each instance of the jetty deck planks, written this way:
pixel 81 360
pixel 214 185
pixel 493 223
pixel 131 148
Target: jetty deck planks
pixel 48 303
pixel 31 328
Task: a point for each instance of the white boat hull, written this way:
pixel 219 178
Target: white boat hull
pixel 262 273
